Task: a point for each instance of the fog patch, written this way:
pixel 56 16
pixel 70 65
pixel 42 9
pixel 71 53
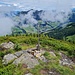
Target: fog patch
pixel 54 16
pixel 30 18
pixel 5 25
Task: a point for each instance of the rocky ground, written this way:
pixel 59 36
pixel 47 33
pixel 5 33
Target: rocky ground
pixel 30 58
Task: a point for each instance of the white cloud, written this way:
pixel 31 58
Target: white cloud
pixel 11 5
pixel 0 5
pixel 54 16
pixel 5 25
pixel 15 4
pixel 42 4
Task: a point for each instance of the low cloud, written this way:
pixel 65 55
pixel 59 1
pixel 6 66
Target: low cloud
pixel 5 25
pixel 54 16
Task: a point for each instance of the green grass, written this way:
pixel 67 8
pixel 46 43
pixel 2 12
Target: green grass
pixel 46 42
pixel 30 29
pixel 50 65
pixel 25 46
pixel 71 39
pixel 29 41
pixel 12 70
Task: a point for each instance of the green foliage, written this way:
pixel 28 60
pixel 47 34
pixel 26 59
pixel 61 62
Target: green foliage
pixel 17 47
pixel 47 55
pixel 11 70
pixel 45 41
pixel 2 53
pixel 71 39
pixel 28 41
pixel 59 45
pixel 17 31
pixel 62 70
pixel 36 69
pixel 30 29
pixel 7 70
pixel 60 33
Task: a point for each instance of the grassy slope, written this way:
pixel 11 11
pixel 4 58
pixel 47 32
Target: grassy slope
pixel 28 41
pixel 59 33
pixel 71 38
pixel 47 43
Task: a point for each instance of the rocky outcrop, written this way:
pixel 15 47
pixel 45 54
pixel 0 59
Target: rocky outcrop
pixel 8 58
pixel 37 54
pixel 6 45
pixel 27 59
pixel 53 71
pixel 42 58
pixel 52 53
pixel 65 60
pixel 21 57
pixel 18 54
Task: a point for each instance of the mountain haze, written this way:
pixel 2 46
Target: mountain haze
pixel 23 16
pixel 29 19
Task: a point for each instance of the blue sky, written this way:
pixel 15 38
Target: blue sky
pixel 40 4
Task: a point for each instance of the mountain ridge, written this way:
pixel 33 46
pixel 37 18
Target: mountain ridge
pixel 49 19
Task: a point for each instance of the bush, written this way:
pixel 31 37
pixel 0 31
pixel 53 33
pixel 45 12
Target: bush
pixel 17 47
pixel 11 70
pixel 2 54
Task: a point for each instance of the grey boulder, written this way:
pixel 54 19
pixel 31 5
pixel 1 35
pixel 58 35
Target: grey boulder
pixel 6 45
pixel 27 59
pixel 8 58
